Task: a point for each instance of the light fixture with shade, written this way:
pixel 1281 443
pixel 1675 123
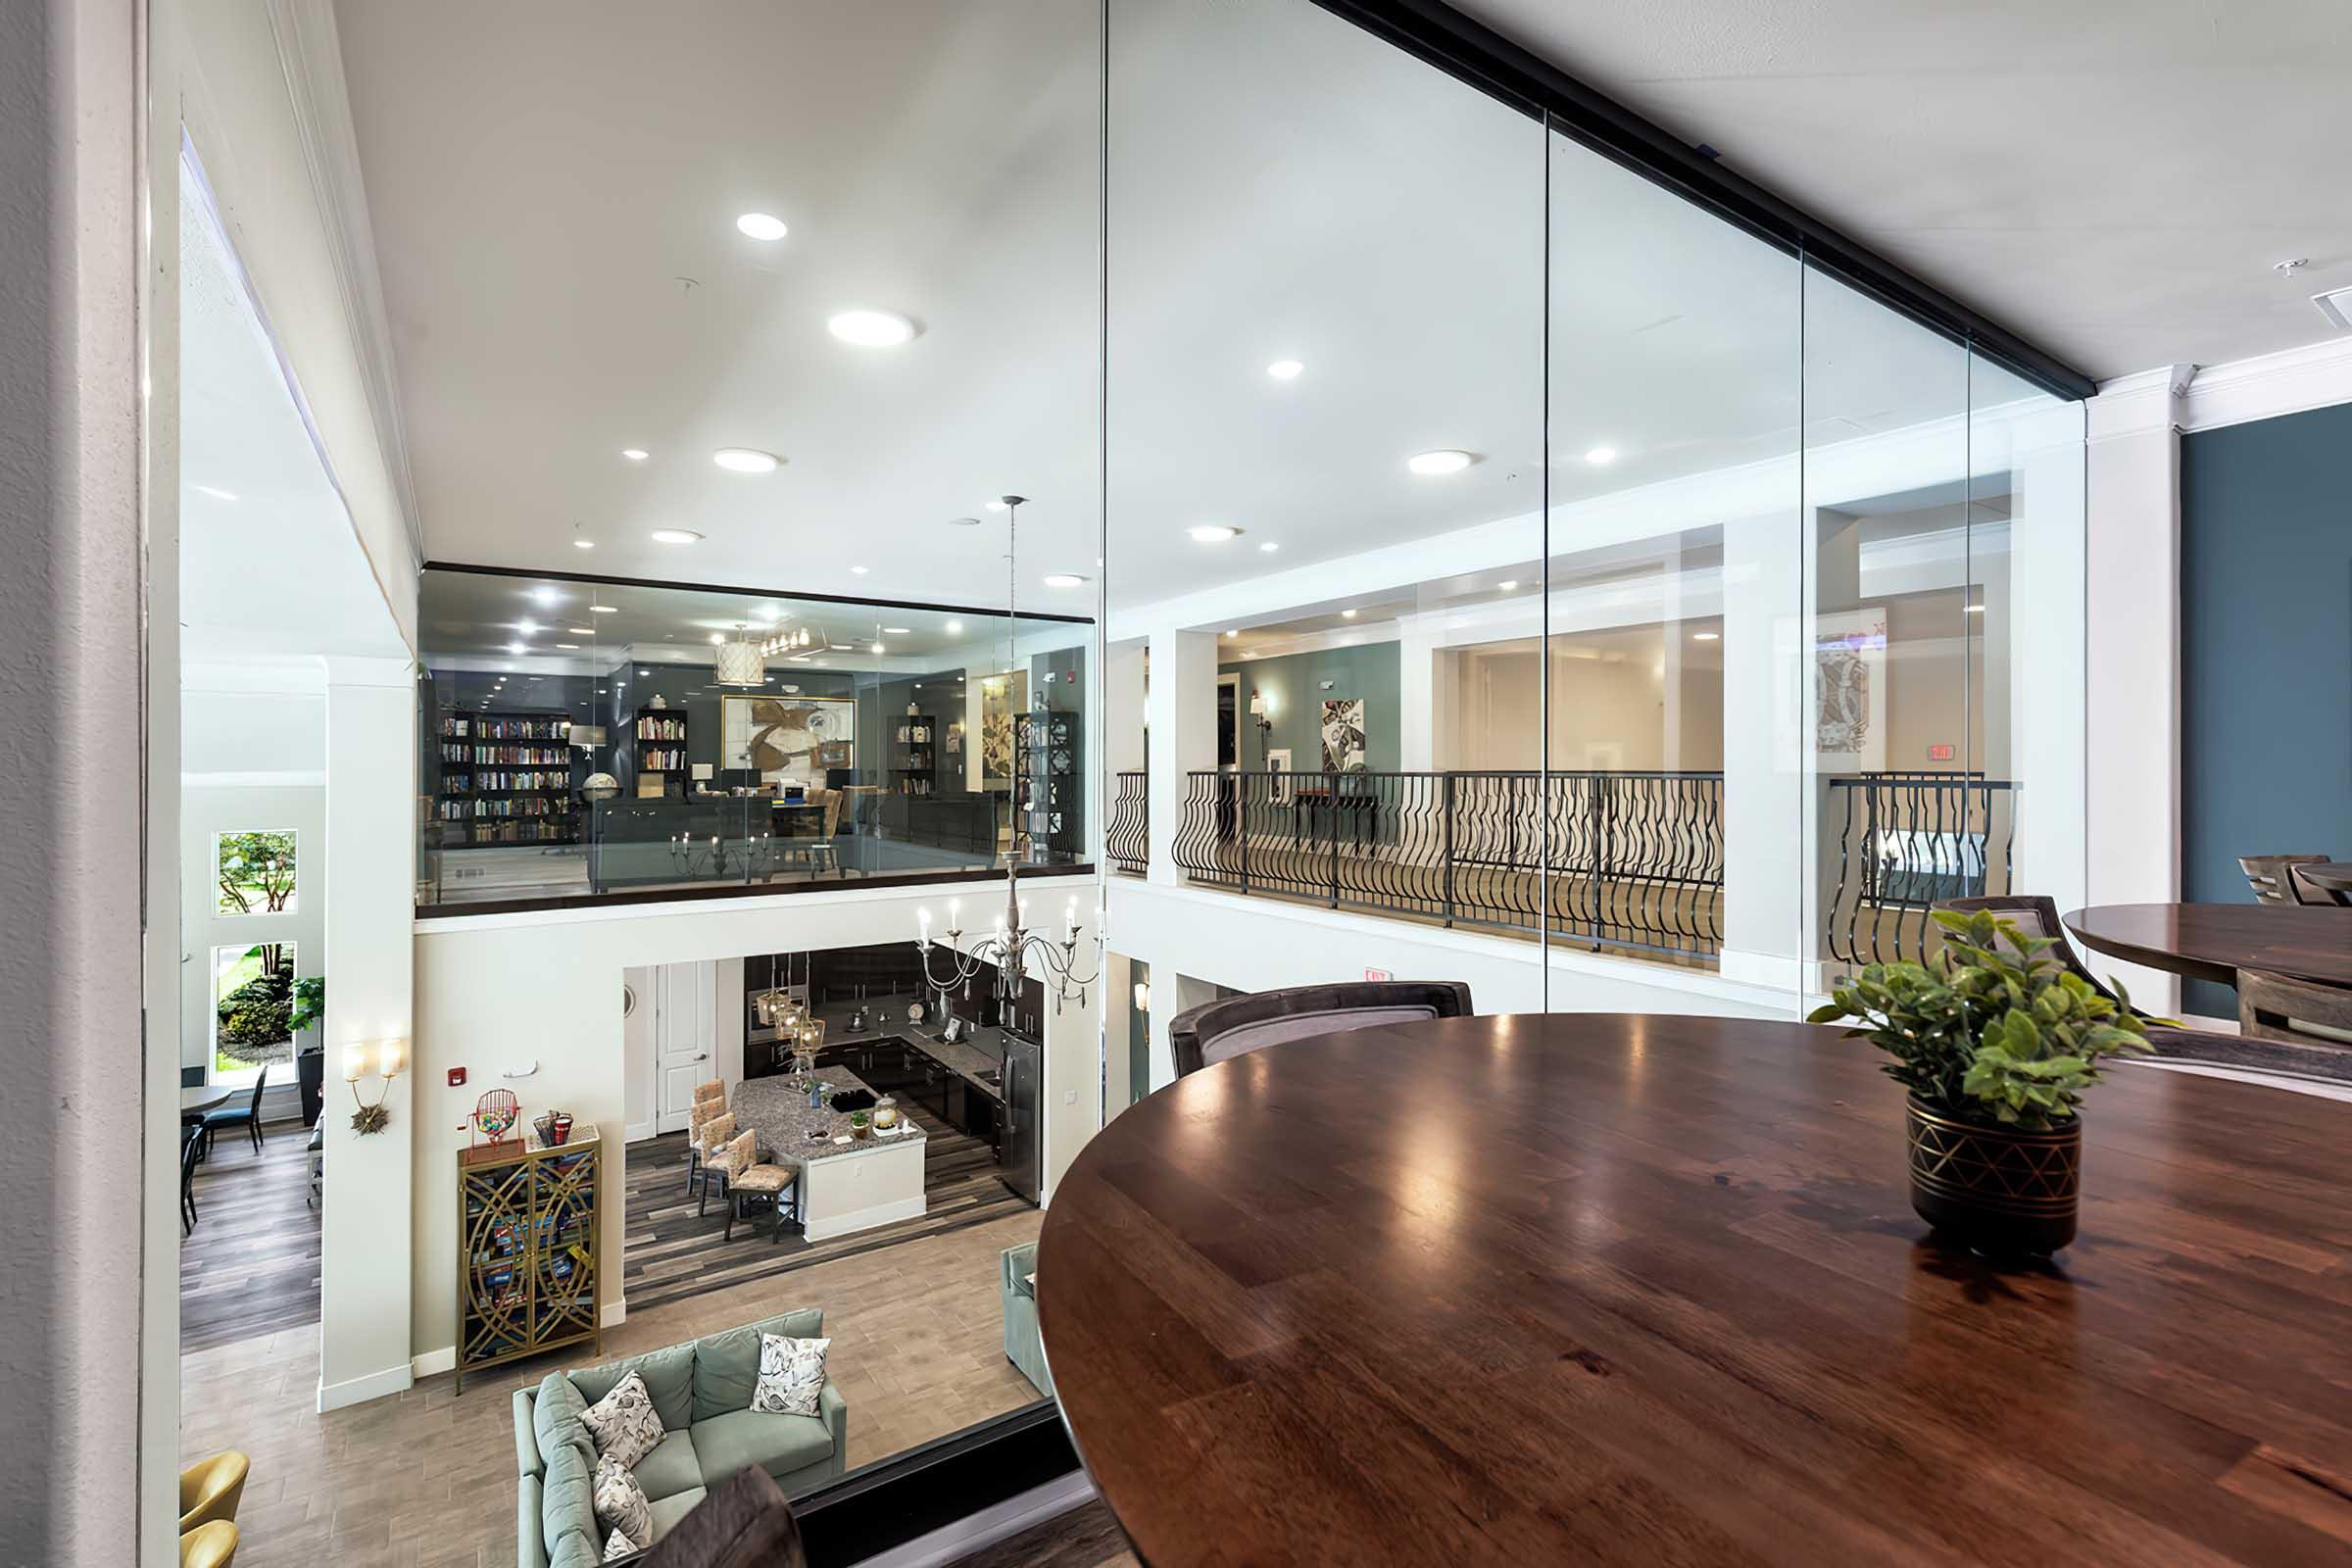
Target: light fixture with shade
pixel 739 663
pixel 761 226
pixel 746 459
pixel 871 330
pixel 388 1059
pixel 1446 460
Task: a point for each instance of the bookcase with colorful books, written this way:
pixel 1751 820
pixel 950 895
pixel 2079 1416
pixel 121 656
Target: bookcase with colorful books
pixel 506 779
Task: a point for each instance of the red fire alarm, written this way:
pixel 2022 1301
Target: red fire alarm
pixel 457 1077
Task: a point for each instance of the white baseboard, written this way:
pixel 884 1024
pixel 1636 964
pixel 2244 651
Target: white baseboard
pixel 613 1313
pixel 637 1134
pixel 375 1385
pixel 860 1219
pixel 980 1530
pixel 427 1363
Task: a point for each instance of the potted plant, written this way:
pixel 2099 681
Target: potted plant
pixel 1995 1049
pixel 310 1057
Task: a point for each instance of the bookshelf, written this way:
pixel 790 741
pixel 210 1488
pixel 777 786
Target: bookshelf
pixel 660 736
pixel 1046 784
pixel 526 1249
pixel 915 755
pixel 506 779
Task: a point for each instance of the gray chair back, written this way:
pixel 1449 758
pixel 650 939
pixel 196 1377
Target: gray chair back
pixel 2273 878
pixel 2036 916
pixel 1217 1031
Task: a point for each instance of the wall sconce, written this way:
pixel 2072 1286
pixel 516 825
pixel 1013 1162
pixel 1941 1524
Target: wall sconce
pixel 389 1060
pixel 1142 996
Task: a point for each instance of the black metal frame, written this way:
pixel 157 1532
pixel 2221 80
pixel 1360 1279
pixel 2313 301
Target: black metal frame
pixel 1477 55
pixel 606 579
pixel 893 1500
pixel 705 893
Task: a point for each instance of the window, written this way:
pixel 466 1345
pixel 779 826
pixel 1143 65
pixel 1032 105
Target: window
pixel 253 999
pixel 255 871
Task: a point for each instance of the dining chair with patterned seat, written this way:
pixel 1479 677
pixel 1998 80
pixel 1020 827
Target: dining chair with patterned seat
pixel 710 1102
pixel 757 1181
pixel 1217 1031
pixel 710 1144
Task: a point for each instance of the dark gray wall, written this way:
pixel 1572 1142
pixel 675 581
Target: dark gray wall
pixel 2266 652
pixel 1294 684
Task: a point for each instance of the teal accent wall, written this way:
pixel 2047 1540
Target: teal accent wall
pixel 1292 684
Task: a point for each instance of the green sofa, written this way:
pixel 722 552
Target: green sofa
pixel 703 1393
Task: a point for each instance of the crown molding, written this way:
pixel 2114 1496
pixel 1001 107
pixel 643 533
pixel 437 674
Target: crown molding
pixel 309 53
pixel 2316 376
pixel 2139 404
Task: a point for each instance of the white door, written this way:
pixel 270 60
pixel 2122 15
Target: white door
pixel 682 1040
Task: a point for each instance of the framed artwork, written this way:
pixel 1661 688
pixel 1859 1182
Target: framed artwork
pixel 787 737
pixel 1000 698
pixel 1850 688
pixel 1344 735
pixel 1278 764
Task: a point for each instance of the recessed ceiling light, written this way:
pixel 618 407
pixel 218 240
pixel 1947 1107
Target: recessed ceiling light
pixel 1233 632
pixel 1065 580
pixel 1269 546
pixel 634 454
pixel 1213 533
pixel 1601 457
pixel 547 596
pixel 762 225
pixel 1285 369
pixel 875 648
pixel 604 609
pixel 996 505
pixel 214 491
pixel 1507 584
pixel 527 627
pixel 871 330
pixel 896 631
pixel 583 544
pixel 1445 460
pixel 816 662
pixel 570 648
pixel 581 631
pixel 1975 609
pixel 1346 615
pixel 1705 636
pixel 746 459
pixel 954 627
pixel 517 647
pixel 718 637
pixel 676 536
pixel 857 572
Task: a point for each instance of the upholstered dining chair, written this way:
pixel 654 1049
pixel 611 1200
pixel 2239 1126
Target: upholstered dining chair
pixel 709 1100
pixel 2274 881
pixel 753 1182
pixel 1216 1031
pixel 211 1545
pixel 709 1141
pixel 211 1488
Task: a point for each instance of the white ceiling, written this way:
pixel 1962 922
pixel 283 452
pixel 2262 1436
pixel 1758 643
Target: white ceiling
pixel 268 565
pixel 540 174
pixel 2111 178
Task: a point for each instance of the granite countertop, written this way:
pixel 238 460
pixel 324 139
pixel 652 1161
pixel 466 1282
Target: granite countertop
pixel 778 1110
pixel 974 1060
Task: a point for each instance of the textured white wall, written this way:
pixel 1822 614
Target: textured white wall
pixel 69 661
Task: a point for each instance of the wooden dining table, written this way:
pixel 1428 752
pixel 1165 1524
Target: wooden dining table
pixel 2214 941
pixel 197 1098
pixel 1617 1289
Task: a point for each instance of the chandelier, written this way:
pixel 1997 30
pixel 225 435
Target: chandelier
pixel 1014 950
pixel 741 662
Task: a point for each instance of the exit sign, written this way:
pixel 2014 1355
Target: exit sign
pixel 1940 754
pixel 1377 974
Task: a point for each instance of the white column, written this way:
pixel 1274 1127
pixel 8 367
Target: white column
pixel 2132 720
pixel 364 1251
pixel 1424 705
pixel 1183 705
pixel 1766 873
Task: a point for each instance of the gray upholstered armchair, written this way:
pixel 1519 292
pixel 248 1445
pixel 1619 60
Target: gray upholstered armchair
pixel 1204 1036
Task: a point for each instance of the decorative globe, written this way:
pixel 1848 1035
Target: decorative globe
pixel 599 787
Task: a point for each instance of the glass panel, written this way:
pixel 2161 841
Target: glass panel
pixel 1905 809
pixel 1674 577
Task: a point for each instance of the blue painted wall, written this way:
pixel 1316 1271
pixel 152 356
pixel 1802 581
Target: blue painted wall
pixel 2266 590
pixel 1294 684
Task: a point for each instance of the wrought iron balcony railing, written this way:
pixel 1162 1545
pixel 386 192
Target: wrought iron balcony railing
pixel 1127 841
pixel 1629 859
pixel 1904 841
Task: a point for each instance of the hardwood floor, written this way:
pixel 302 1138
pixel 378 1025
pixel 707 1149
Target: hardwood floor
pixel 1087 1536
pixel 674 1253
pixel 427 1477
pixel 251 1266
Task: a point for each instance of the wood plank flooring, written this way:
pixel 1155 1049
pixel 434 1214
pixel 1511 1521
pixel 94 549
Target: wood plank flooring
pixel 251 1266
pixel 1086 1537
pixel 427 1477
pixel 674 1253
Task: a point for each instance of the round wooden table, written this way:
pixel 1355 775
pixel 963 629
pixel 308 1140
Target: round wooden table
pixel 196 1098
pixel 2333 875
pixel 1599 1288
pixel 2214 941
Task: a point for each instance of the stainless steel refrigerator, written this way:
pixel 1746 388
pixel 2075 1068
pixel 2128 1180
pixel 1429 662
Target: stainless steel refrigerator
pixel 1024 1104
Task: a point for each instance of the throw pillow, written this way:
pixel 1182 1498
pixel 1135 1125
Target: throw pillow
pixel 623 1422
pixel 620 1502
pixel 792 1374
pixel 618 1545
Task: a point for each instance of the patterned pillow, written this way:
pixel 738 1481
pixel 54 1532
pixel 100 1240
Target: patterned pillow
pixel 620 1502
pixel 623 1423
pixel 618 1545
pixel 792 1374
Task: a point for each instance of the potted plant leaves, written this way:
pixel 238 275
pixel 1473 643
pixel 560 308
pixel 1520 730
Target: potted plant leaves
pixel 1996 1043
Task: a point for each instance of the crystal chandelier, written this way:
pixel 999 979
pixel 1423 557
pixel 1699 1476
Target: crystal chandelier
pixel 1014 948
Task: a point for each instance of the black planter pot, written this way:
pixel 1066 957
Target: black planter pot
pixel 1995 1189
pixel 310 1073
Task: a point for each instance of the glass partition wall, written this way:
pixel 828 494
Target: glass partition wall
pixel 1504 542
pixel 588 738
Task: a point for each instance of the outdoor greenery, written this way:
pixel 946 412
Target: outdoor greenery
pixel 309 1002
pixel 2009 1040
pixel 255 1009
pixel 256 872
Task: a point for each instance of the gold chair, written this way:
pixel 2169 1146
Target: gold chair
pixel 208 1546
pixel 211 1488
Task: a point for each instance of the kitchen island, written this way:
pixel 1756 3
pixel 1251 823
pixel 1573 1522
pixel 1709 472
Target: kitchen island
pixel 844 1183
